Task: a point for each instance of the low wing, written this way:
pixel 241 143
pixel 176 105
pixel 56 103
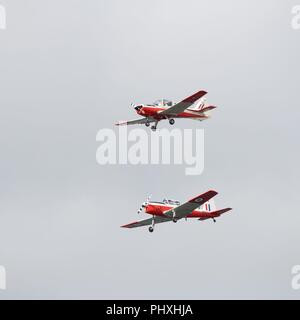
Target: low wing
pixel 215 214
pixel 137 121
pixel 184 104
pixel 146 222
pixel 188 207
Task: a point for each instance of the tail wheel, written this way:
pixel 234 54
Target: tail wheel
pixel 171 121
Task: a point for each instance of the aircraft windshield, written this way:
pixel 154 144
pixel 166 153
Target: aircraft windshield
pixel 171 202
pixel 163 102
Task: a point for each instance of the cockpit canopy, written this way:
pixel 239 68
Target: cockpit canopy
pixel 163 102
pixel 171 202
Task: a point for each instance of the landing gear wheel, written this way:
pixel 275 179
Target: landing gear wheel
pixel 171 121
pixel 151 229
pixel 153 128
pixel 147 124
pixel 174 220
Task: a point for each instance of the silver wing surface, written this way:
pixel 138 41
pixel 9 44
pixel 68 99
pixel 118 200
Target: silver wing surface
pixel 137 121
pixel 146 222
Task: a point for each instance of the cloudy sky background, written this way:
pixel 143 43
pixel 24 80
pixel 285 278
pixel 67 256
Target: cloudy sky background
pixel 70 68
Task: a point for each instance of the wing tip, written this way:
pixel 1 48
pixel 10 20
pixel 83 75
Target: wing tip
pixel 120 123
pixel 128 225
pixel 201 92
pixel 204 196
pixel 194 97
pixel 210 193
pixel 213 191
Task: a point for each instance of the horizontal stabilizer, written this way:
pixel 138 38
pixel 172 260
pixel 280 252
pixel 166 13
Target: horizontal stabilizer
pixel 215 214
pixel 219 212
pixel 208 108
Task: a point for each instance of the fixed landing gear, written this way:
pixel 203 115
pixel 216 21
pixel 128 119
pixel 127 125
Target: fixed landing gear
pixel 147 124
pixel 171 121
pixel 174 216
pixel 214 220
pixel 151 228
pixel 154 127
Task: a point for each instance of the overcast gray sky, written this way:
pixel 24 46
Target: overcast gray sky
pixel 68 69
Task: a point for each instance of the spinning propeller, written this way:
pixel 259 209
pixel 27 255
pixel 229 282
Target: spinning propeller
pixel 137 107
pixel 144 205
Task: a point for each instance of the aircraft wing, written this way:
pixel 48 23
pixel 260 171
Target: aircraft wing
pixel 137 121
pixel 188 207
pixel 215 214
pixel 184 104
pixel 146 222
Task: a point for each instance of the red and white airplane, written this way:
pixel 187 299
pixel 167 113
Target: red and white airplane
pixel 166 109
pixel 199 207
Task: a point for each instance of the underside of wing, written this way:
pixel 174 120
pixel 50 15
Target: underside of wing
pixel 186 208
pixel 146 222
pixel 137 121
pixel 184 104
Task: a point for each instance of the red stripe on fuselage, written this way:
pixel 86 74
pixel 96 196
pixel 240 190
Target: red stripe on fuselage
pixel 159 209
pixel 153 111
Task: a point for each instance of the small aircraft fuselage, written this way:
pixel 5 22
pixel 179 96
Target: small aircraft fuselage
pixel 164 109
pixel 199 207
pixel 158 209
pixel 149 111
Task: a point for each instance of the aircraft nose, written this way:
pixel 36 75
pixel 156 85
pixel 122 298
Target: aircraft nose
pixel 148 208
pixel 138 108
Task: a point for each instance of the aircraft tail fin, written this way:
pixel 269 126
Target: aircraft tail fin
pixel 201 106
pixel 208 206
